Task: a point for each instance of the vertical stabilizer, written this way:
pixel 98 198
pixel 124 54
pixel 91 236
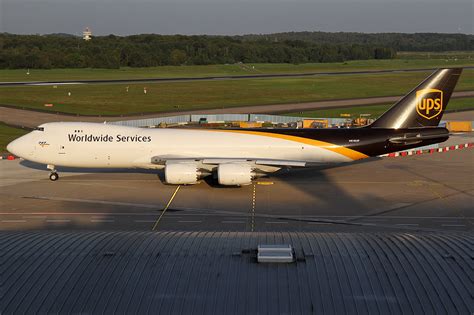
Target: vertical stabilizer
pixel 423 106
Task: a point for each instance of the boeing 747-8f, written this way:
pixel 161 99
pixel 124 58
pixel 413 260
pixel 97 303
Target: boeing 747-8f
pixel 237 156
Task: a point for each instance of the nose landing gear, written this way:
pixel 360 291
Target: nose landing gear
pixel 53 175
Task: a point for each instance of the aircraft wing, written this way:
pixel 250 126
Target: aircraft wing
pixel 215 161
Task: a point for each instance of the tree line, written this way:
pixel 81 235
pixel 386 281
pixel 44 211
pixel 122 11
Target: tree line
pixel 397 41
pixel 147 50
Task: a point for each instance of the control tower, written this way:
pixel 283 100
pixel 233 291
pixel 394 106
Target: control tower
pixel 87 34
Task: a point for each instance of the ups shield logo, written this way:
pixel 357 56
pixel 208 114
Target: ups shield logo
pixel 429 103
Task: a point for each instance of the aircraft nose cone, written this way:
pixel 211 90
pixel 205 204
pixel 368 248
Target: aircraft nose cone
pixel 14 147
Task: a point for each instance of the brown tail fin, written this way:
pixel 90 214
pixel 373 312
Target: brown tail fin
pixel 424 105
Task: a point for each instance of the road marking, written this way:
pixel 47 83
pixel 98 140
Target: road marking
pixel 453 225
pixel 166 208
pixel 230 222
pixel 265 183
pixel 407 224
pixel 252 219
pixel 102 221
pixel 276 222
pixel 435 193
pixel 190 221
pixel 41 217
pixel 370 217
pixel 13 221
pixel 212 212
pixel 375 213
pixel 58 220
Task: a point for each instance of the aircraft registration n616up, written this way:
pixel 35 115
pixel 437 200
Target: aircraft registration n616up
pixel 237 156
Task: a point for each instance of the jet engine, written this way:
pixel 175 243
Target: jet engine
pixel 235 174
pixel 182 173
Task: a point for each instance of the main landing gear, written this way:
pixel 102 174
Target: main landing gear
pixel 53 175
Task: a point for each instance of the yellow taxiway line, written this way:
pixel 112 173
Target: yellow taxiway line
pixel 165 208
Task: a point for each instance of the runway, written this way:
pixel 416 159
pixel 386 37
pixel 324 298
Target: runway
pixel 415 193
pixel 207 78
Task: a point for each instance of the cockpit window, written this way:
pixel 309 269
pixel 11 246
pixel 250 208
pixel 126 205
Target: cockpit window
pixel 39 128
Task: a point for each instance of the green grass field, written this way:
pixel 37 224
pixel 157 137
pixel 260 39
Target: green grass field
pixel 8 134
pixel 233 69
pixel 376 110
pixel 179 96
pixel 450 55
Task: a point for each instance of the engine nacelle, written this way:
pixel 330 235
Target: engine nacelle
pixel 235 174
pixel 182 173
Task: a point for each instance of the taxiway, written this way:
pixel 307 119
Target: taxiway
pixel 426 192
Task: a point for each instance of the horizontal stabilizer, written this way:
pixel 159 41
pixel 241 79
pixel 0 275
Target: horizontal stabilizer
pixel 418 137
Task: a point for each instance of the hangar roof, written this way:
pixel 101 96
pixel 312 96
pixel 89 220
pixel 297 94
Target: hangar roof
pixel 217 272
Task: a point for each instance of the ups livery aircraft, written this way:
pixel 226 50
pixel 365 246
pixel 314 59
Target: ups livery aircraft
pixel 237 156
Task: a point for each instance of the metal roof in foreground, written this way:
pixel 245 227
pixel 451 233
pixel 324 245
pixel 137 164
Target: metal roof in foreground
pixel 217 272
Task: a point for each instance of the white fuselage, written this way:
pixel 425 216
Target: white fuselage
pixel 102 145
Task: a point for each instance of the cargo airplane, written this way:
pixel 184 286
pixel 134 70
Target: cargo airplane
pixel 238 156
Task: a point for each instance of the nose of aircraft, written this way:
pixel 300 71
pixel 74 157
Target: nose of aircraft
pixel 16 147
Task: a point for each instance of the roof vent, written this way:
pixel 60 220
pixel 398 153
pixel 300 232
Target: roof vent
pixel 275 254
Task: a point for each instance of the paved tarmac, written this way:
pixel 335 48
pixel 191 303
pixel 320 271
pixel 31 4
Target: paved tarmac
pixel 463 115
pixel 430 192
